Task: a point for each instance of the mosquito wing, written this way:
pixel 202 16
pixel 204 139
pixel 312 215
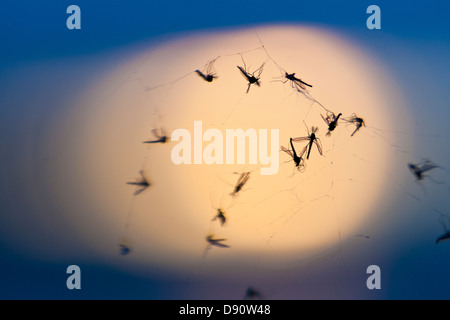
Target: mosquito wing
pixel 139 191
pixel 289 152
pixel 210 68
pixel 299 85
pixel 241 179
pixel 259 70
pixel 327 119
pixel 299 139
pixel 427 166
pixel 245 178
pixel 220 245
pixel 303 152
pixel 156 133
pixel 319 147
pixel 142 176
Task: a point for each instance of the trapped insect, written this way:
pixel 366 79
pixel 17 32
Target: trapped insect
pixel 209 73
pixel 243 179
pixel 296 83
pixel 141 183
pixel 252 294
pixel 357 121
pixel 213 242
pixel 331 120
pixel 221 216
pixel 252 78
pixel 124 249
pixel 298 159
pixel 311 138
pixel 160 136
pixel 419 169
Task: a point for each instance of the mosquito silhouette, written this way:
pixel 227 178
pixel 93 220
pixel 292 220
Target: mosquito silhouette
pixel 298 159
pixel 243 178
pixel 443 219
pixel 209 74
pixel 160 136
pixel 216 242
pixel 212 242
pixel 443 237
pixel 331 120
pixel 312 138
pixel 296 83
pixel 252 78
pixel 359 122
pixel 419 169
pixel 220 216
pixel 252 294
pixel 124 249
pixel 141 183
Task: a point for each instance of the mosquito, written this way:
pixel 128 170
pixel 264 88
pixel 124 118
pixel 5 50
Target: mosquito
pixel 298 159
pixel 160 136
pixel 443 237
pixel 419 169
pixel 252 294
pixel 243 178
pixel 312 138
pixel 124 249
pixel 444 219
pixel 296 83
pixel 220 216
pixel 141 183
pixel 209 73
pixel 216 242
pixel 331 120
pixel 251 77
pixel 359 122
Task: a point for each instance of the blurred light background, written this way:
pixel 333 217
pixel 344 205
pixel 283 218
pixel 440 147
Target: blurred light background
pixel 48 72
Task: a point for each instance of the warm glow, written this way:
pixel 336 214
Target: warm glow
pixel 275 219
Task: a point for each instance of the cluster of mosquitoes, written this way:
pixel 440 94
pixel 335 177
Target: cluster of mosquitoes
pixel 299 148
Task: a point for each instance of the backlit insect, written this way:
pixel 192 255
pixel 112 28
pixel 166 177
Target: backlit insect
pixel 252 294
pixel 243 179
pixel 444 219
pixel 331 120
pixel 214 242
pixel 298 159
pixel 359 122
pixel 209 73
pixel 252 78
pixel 419 169
pixel 160 136
pixel 220 216
pixel 312 138
pixel 296 83
pixel 443 237
pixel 141 183
pixel 124 249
